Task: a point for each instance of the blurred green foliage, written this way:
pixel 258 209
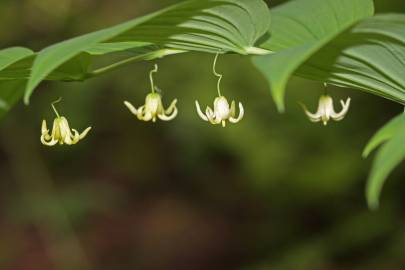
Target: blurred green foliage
pixel 273 192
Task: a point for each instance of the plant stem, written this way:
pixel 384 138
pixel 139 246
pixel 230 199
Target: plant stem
pixel 53 106
pixel 217 74
pixel 147 56
pixel 152 84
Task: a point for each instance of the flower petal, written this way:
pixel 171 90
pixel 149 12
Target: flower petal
pixel 241 114
pixel 75 136
pixel 56 129
pixel 48 141
pixel 131 108
pixel 200 113
pixel 166 117
pixel 233 109
pixel 65 132
pixel 345 109
pixel 171 108
pixel 44 128
pixel 148 116
pixel 313 117
pixel 141 113
pixel 212 118
pixel 84 133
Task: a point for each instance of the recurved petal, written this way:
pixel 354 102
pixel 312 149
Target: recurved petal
pixel 345 109
pixel 169 117
pixel 233 109
pixel 212 117
pixel 44 128
pixel 48 140
pixel 84 133
pixel 141 112
pixel 200 113
pixel 131 108
pixel 75 136
pixel 313 117
pixel 171 108
pixel 241 114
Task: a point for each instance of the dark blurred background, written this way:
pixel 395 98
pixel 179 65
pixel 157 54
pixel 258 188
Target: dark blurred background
pixel 272 192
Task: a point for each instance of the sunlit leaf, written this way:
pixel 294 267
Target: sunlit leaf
pixel 208 25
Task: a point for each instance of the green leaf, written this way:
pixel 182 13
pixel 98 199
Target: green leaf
pixel 12 55
pixel 208 26
pixel 105 48
pixel 10 92
pixel 384 134
pixel 15 63
pixel 389 156
pixel 300 28
pixel 369 57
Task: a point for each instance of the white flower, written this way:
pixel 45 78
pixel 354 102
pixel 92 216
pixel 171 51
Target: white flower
pixel 153 107
pixel 326 110
pixel 221 113
pixel 61 132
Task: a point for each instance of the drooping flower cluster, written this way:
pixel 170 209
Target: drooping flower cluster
pixel 153 109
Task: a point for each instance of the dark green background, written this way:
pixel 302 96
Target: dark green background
pixel 272 192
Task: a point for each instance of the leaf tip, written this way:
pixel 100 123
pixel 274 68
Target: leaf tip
pixel 366 152
pixel 27 96
pixel 373 204
pixel 279 100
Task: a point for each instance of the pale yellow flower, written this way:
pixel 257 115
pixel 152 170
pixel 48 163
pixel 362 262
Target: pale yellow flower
pixel 326 110
pixel 153 107
pixel 222 112
pixel 61 132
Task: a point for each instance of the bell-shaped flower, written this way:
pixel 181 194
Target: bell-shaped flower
pixel 154 109
pixel 326 110
pixel 222 112
pixel 61 132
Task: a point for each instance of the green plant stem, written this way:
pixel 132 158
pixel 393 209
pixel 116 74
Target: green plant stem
pixel 53 106
pixel 148 56
pixel 217 74
pixel 152 83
